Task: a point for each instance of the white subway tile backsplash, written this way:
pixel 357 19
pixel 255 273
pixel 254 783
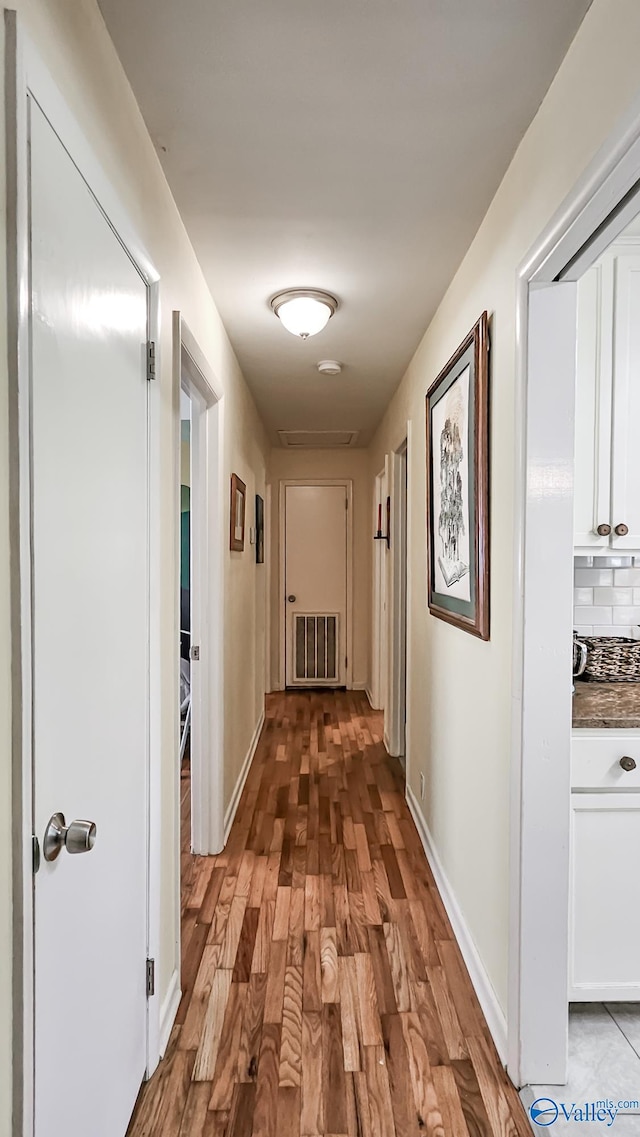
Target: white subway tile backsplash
pixel 613 562
pixel 585 595
pixel 594 615
pixel 627 576
pixel 606 596
pixel 611 596
pixel 593 577
pixel 611 630
pixel 624 615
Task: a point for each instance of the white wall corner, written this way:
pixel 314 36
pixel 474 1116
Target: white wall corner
pixel 169 1010
pixel 493 1012
pixel 230 811
pixel 369 695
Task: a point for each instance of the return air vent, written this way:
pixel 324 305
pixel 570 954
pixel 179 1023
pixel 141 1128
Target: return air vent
pixel 317 439
pixel 316 648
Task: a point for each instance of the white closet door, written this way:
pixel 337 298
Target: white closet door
pixel 315 585
pixel 90 650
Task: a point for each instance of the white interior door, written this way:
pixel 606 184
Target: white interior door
pixel 90 649
pixel 316 585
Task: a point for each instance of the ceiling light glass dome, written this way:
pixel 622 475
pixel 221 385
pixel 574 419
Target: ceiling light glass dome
pixel 304 311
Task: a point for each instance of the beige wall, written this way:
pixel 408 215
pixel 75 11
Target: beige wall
pixel 352 464
pixel 460 695
pixel 71 39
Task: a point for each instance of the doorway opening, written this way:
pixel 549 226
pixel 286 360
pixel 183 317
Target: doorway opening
pixel 595 314
pixel 548 847
pixel 396 708
pixel 378 693
pixel 199 611
pixel 185 589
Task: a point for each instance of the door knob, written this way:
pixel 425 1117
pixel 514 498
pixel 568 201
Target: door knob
pixel 78 837
pixel 291 599
pixel 628 764
pixel 603 530
pixel 622 530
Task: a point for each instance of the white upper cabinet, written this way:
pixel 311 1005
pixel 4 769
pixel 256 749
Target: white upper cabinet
pixel 607 462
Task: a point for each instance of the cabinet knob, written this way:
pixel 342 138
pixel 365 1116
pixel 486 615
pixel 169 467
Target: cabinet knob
pixel 603 530
pixel 622 530
pixel 628 764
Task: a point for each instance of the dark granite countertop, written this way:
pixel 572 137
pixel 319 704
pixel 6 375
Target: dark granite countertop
pixel 615 706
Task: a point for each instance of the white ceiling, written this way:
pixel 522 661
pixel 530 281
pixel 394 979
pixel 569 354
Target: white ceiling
pixel 350 145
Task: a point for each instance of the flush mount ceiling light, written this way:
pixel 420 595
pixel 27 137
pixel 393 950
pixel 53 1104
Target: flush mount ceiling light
pixel 304 311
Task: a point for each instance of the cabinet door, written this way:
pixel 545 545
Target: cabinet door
pixel 604 940
pixel 592 493
pixel 625 490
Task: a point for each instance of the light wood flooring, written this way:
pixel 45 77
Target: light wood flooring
pixel 324 993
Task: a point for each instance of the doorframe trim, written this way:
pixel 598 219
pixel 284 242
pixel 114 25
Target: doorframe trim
pixel 26 75
pixel 600 203
pixel 398 594
pixel 207 771
pixel 282 622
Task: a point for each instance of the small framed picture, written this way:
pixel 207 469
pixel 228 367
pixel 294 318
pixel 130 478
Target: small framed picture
pixel 259 530
pixel 457 415
pixel 237 514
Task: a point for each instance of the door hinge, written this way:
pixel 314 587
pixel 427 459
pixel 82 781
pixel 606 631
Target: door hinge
pixel 35 854
pixel 346 660
pixel 194 652
pixel 346 502
pixel 151 977
pixel 151 360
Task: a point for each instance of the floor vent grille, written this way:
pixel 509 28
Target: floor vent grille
pixel 316 648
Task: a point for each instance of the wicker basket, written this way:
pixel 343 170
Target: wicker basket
pixel 611 659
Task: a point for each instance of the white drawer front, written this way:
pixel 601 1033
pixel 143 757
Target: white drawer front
pixel 595 761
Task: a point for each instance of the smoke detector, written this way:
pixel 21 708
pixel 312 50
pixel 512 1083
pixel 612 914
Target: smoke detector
pixel 329 367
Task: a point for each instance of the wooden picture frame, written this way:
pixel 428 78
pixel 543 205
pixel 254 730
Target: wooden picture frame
pixel 259 530
pixel 237 512
pixel 457 422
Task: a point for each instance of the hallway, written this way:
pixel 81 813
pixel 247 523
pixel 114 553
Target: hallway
pixel 323 992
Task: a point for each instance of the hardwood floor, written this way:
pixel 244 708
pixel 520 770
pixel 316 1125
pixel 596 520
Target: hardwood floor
pixel 324 993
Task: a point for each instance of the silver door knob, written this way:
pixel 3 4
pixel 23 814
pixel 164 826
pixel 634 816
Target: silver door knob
pixel 291 599
pixel 628 764
pixel 77 837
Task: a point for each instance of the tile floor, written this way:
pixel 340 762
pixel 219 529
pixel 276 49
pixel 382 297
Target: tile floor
pixel 604 1063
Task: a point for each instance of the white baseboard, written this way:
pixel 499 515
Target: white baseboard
pixel 369 695
pixel 230 811
pixel 169 1010
pixel 358 685
pixel 493 1013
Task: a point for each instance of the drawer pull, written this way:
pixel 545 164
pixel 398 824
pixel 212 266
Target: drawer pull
pixel 628 764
